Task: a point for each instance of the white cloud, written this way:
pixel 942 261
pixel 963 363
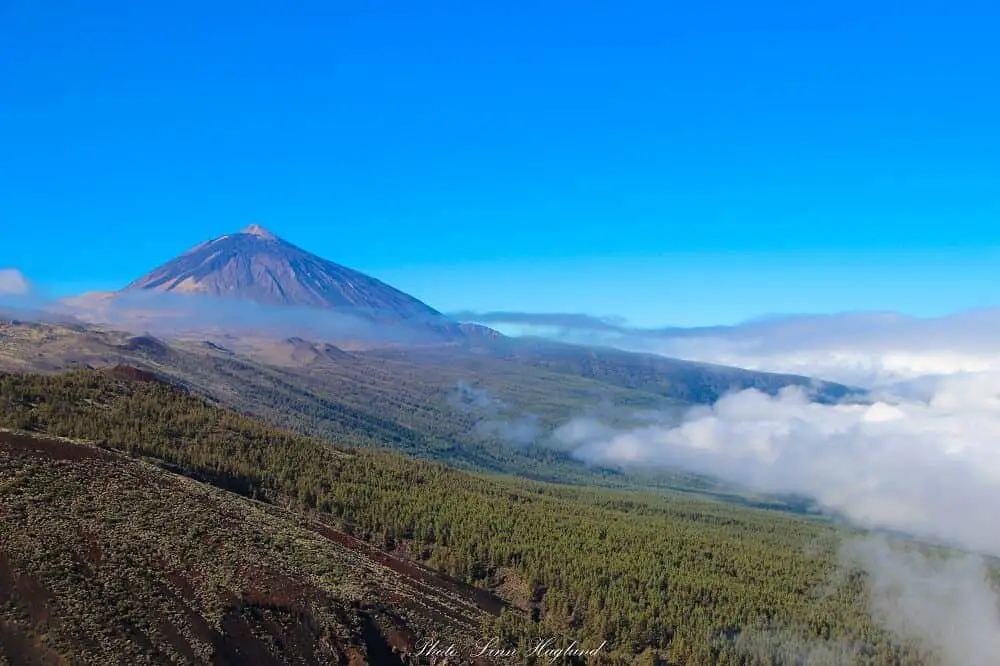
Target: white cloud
pixel 866 349
pixel 13 283
pixel 851 361
pixel 926 466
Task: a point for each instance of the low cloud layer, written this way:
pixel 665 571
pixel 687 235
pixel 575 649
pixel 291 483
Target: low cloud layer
pixel 168 314
pixel 924 466
pixel 565 321
pixel 866 349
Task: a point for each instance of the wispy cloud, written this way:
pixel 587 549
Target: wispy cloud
pixel 20 298
pixel 13 283
pixel 947 605
pixel 944 606
pixel 556 320
pixel 495 419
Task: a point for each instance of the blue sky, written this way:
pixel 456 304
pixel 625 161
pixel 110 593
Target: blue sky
pixel 671 163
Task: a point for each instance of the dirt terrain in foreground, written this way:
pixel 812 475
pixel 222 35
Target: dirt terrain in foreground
pixel 109 560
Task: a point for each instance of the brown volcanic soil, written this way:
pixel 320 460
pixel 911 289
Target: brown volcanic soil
pixel 107 560
pixel 50 448
pixel 131 373
pixel 421 575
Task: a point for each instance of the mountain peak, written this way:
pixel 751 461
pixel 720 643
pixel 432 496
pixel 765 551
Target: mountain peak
pixel 276 272
pixel 259 231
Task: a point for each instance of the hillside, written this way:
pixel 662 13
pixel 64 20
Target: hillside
pixel 686 382
pixel 110 560
pixel 679 578
pixel 361 401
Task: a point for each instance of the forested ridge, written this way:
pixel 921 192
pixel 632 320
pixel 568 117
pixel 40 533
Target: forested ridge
pixel 667 577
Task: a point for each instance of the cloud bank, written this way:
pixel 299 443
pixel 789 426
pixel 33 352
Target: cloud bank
pixel 863 349
pixel 922 466
pixel 946 607
pixel 169 315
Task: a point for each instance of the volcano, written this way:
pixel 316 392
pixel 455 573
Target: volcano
pixel 257 265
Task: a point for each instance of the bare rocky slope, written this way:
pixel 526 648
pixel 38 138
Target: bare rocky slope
pixel 109 560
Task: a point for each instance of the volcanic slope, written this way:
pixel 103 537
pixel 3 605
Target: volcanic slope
pixel 256 265
pixel 110 560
